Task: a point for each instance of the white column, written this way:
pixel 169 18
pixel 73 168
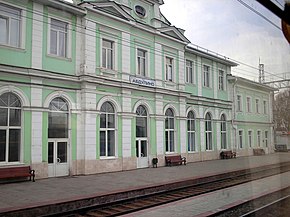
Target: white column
pixel 182 122
pixel 181 70
pixel 199 75
pixel 36 122
pixel 218 129
pixel 90 48
pixel 126 56
pixel 127 123
pixel 202 129
pixel 215 82
pixel 159 124
pixel 80 32
pixel 89 120
pixel 37 26
pixel 158 64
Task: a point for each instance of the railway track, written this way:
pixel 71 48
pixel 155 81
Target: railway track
pixel 143 202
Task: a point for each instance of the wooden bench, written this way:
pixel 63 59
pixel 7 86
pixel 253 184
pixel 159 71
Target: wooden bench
pixel 228 154
pixel 175 159
pixel 281 148
pixel 258 151
pixel 17 172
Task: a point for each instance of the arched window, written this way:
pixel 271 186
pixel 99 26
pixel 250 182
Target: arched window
pixel 58 118
pixel 208 131
pixel 191 131
pixel 223 132
pixel 141 122
pixel 10 127
pixel 169 130
pixel 107 130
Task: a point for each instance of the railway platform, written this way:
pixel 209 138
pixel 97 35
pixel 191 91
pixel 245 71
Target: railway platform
pixel 52 195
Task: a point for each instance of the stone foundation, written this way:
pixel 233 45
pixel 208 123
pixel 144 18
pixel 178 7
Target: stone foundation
pixel 41 170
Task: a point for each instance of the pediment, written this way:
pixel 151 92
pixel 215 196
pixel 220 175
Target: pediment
pixel 111 8
pixel 172 31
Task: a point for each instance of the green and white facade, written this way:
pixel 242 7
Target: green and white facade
pixel 104 86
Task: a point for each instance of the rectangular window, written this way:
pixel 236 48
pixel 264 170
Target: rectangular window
pixel 259 138
pixel 265 107
pixel 10 22
pixel 189 72
pixel 169 69
pixel 250 138
pixel 266 139
pixel 257 106
pixel 141 62
pixel 249 106
pixel 206 76
pixel 240 138
pixel 107 54
pixel 58 38
pixel 239 103
pixel 221 80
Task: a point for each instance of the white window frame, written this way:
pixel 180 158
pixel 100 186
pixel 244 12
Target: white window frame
pixel 172 69
pixel 106 132
pixel 249 104
pixel 241 139
pixel 239 103
pixel 22 24
pixel 265 107
pixel 257 105
pixel 8 128
pixel 259 138
pixel 206 76
pixel 224 132
pixel 250 138
pixel 189 71
pixel 146 73
pixel 69 35
pixel 208 133
pixel 108 49
pixel 170 130
pixel 266 138
pixel 191 132
pixel 221 80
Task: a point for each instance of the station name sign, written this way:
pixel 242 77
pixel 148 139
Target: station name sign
pixel 142 81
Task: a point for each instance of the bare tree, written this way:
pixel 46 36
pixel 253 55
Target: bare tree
pixel 281 110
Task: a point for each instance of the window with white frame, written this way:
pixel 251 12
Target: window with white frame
pixel 10 128
pixel 10 25
pixel 240 137
pixel 141 62
pixel 266 139
pixel 191 131
pixel 208 131
pixel 169 130
pixel 58 38
pixel 107 54
pixel 265 107
pixel 107 130
pixel 223 132
pixel 250 138
pixel 206 76
pixel 239 103
pixel 249 105
pixel 257 106
pixel 169 69
pixel 189 72
pixel 221 80
pixel 259 138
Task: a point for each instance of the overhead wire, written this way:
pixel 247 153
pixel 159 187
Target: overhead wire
pixel 151 50
pixel 259 14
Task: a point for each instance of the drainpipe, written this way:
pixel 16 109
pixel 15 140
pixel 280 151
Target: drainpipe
pixel 234 115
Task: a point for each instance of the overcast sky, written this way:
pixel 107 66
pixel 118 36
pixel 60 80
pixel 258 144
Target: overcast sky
pixel 229 28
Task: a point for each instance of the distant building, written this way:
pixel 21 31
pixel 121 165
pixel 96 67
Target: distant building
pixel 107 86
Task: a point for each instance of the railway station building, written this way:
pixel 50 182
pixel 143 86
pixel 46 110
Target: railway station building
pixel 102 86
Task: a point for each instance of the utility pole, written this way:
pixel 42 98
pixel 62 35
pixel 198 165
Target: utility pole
pixel 261 73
